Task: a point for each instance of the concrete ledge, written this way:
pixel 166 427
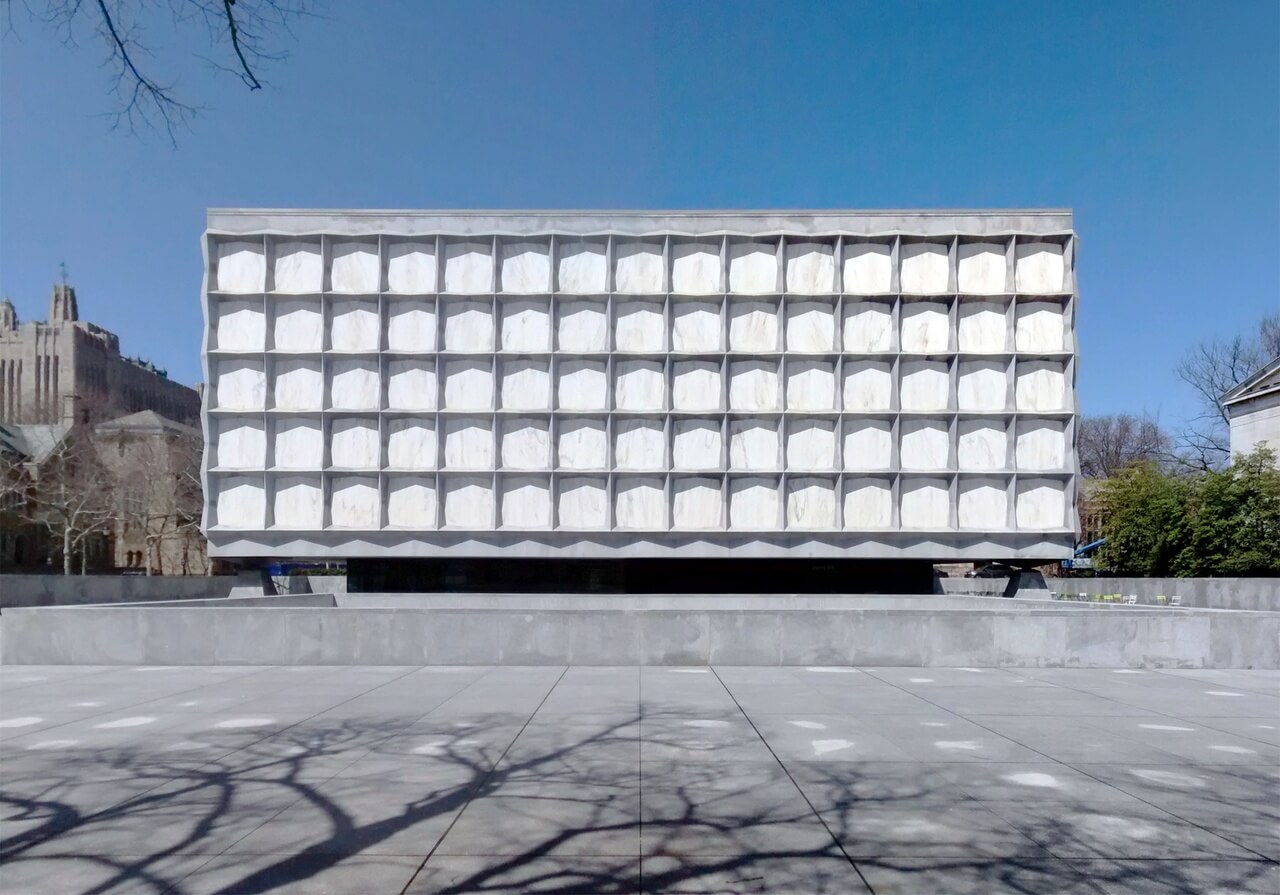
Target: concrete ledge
pixel 70 590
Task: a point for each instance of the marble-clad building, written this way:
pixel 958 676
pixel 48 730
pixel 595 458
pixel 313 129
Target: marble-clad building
pixel 600 384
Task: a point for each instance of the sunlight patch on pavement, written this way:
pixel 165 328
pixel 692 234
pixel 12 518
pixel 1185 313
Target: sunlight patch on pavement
pixel 135 721
pixel 824 747
pixel 808 725
pixel 25 721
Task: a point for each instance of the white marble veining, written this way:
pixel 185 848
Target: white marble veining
pixel 468 503
pixel 354 267
pixel 241 444
pixel 355 502
pixel 526 385
pixel 753 326
pixel 299 267
pixel 753 268
pixel 983 504
pixel 639 385
pixel 641 504
pixel 811 267
pixel 696 444
pixel 411 444
pixel 526 325
pixel 924 268
pixel 868 268
pixel 298 502
pixel 639 444
pixel 411 384
pixel 926 504
pixel 354 384
pixel 638 268
pixel 583 268
pixel 298 443
pixel 468 267
pixel 982 385
pixel 754 444
pixel 696 504
pixel 1040 326
pixel 526 444
pixel 526 503
pixel 868 385
pixel 754 504
pixel 240 502
pixel 980 268
pixel 354 444
pixel 639 326
pixel 696 385
pixel 695 268
pixel 468 325
pixel 1041 385
pixel 811 326
pixel 1039 267
pixel 925 327
pixel 411 325
pixel 583 503
pixel 868 326
pixel 242 385
pixel 868 444
pixel 468 385
pixel 242 267
pixel 411 268
pixel 924 444
pixel 411 502
pixel 581 385
pixel 526 267
pixel 239 325
pixel 925 385
pixel 355 325
pixel 299 325
pixel 1041 504
pixel 468 444
pixel 811 445
pixel 582 326
pixel 981 445
pixel 981 326
pixel 582 444
pixel 753 385
pixel 868 503
pixel 695 326
pixel 811 503
pixel 811 385
pixel 1041 444
pixel 298 384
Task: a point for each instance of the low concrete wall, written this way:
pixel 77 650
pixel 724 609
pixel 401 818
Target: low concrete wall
pixel 72 590
pixel 1258 594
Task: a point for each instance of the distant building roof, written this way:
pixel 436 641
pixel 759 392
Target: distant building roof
pixel 1263 382
pixel 145 421
pixel 34 441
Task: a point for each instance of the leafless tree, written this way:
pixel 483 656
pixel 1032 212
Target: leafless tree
pixel 72 496
pixel 1107 444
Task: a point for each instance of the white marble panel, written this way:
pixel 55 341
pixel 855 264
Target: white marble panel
pixel 1040 326
pixel 868 268
pixel 468 267
pixel 468 325
pixel 239 325
pixel 355 267
pixel 298 502
pixel 811 444
pixel 811 503
pixel 526 444
pixel 355 325
pixel 1041 444
pixel 354 444
pixel 583 268
pixel 299 444
pixel 811 385
pixel 299 267
pixel 526 502
pixel 411 268
pixel 1039 267
pixel 240 502
pixel 411 444
pixel 980 268
pixel 526 267
pixel 753 385
pixel 924 444
pixel 1041 504
pixel 411 384
pixel 468 503
pixel 582 444
pixel 982 385
pixel 468 385
pixel 696 385
pixel 639 385
pixel 925 385
pixel 924 268
pixel 754 504
pixel 696 444
pixel 526 325
pixel 299 325
pixel 754 444
pixel 811 326
pixel 981 444
pixel 753 268
pixel 242 385
pixel 639 444
pixel 1041 385
pixel 639 326
pixel 242 267
pixel 925 327
pixel 696 504
pixel 468 444
pixel 241 443
pixel 298 385
pixel 411 503
pixel 982 326
pixel 641 504
pixel 695 267
pixel 583 503
pixel 753 326
pixel 581 385
pixel 868 385
pixel 868 504
pixel 354 384
pixel 983 504
pixel 868 327
pixel 926 504
pixel 526 385
pixel 695 326
pixel 811 268
pixel 411 325
pixel 355 502
pixel 868 444
pixel 582 326
pixel 638 268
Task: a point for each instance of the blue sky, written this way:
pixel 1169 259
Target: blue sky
pixel 1159 123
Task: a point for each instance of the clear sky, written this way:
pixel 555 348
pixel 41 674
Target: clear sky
pixel 1159 123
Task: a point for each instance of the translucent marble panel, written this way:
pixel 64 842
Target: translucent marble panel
pixel 982 326
pixel 811 503
pixel 526 502
pixel 354 444
pixel 526 325
pixel 811 326
pixel 1041 385
pixel 299 267
pixel 582 326
pixel 582 503
pixel 868 268
pixel 242 267
pixel 983 504
pixel 868 326
pixel 411 384
pixel 811 268
pixel 639 326
pixel 696 385
pixel 639 385
pixel 411 325
pixel 411 444
pixel 753 326
pixel 468 385
pixel 924 268
pixel 868 504
pixel 355 325
pixel 868 385
pixel 1041 444
pixel 638 268
pixel 695 267
pixel 240 502
pixel 582 444
pixel 696 504
pixel 354 267
pixel 924 444
pixel 526 444
pixel 754 504
pixel 468 503
pixel 754 444
pixel 581 385
pixel 298 385
pixel 982 385
pixel 639 444
pixel 583 268
pixel 241 444
pixel 468 325
pixel 468 444
pixel 354 384
pixel 468 267
pixel 696 444
pixel 811 385
pixel 811 444
pixel 926 504
pixel 641 504
pixel 298 502
pixel 1040 326
pixel 526 385
pixel 980 268
pixel 1041 504
pixel 239 325
pixel 355 502
pixel 695 326
pixel 1039 267
pixel 242 385
pixel 925 327
pixel 526 267
pixel 299 325
pixel 753 268
pixel 411 268
pixel 411 502
pixel 753 385
pixel 868 444
pixel 981 444
pixel 925 385
pixel 299 444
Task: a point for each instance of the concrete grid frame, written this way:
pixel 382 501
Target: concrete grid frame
pixel 593 384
